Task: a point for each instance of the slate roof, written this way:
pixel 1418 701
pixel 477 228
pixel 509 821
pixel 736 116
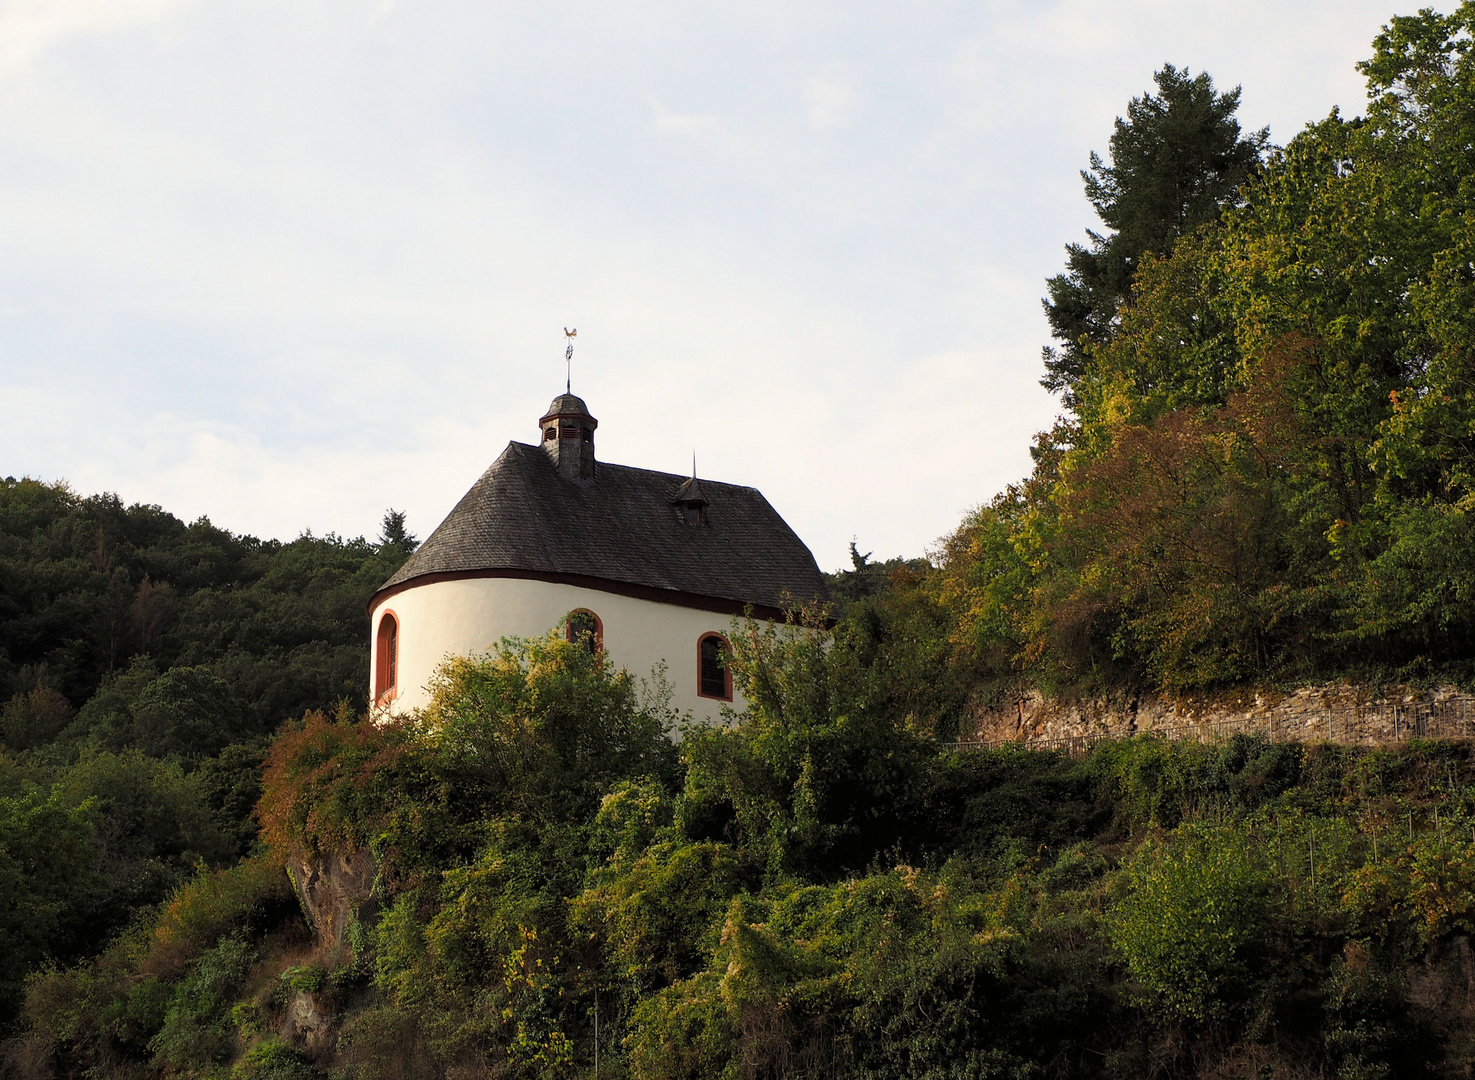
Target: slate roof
pixel 567 403
pixel 623 527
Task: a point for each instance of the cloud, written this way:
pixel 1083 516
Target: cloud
pixel 28 27
pixel 706 129
pixel 828 99
pixel 310 261
pixel 692 124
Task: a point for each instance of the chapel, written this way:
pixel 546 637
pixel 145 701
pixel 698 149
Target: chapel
pixel 649 566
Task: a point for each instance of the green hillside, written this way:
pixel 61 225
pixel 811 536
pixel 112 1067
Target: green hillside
pixel 532 875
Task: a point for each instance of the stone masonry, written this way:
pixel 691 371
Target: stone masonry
pixel 1333 712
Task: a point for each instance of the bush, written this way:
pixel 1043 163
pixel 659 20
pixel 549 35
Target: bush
pixel 33 719
pixel 330 784
pixel 246 898
pixel 1194 918
pixel 272 1060
pixel 198 1028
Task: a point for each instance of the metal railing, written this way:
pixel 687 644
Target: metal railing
pixel 1451 717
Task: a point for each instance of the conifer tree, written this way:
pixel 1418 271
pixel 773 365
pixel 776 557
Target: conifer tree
pixel 1177 161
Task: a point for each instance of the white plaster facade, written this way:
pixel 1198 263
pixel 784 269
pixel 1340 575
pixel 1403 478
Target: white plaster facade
pixel 465 616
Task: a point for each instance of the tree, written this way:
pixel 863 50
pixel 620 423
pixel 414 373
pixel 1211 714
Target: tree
pixel 393 536
pixel 1177 161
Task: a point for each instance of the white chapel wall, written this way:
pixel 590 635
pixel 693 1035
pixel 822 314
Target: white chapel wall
pixel 466 616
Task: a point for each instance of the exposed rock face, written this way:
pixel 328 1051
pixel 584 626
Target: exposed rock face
pixel 334 890
pixel 1334 712
pixel 308 1025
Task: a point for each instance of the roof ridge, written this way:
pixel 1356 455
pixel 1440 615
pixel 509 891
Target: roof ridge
pixel 522 515
pixel 681 478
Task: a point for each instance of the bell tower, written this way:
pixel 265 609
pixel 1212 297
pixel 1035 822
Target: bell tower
pixel 568 437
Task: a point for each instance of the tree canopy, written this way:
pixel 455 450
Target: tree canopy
pixel 1176 161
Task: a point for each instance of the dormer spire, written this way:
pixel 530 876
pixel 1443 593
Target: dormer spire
pixel 690 503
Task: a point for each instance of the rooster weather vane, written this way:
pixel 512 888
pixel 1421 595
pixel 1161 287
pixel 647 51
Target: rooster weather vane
pixel 568 357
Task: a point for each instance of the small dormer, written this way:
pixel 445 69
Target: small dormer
pixel 568 437
pixel 690 503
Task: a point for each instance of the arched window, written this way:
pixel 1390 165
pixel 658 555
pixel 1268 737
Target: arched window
pixel 585 628
pixel 714 679
pixel 386 660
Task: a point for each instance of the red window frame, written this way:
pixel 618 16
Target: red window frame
pixel 725 646
pixel 386 658
pixel 568 628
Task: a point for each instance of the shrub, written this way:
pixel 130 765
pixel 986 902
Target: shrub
pixel 272 1060
pixel 33 719
pixel 329 784
pixel 248 897
pixel 198 1028
pixel 1195 913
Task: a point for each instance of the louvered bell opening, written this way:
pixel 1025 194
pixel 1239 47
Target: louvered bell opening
pixel 568 431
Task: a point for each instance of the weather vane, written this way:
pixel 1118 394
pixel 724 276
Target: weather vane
pixel 568 357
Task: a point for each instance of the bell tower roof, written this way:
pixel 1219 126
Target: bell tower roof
pixel 568 437
pixel 567 405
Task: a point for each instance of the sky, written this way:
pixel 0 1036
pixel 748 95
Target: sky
pixel 287 264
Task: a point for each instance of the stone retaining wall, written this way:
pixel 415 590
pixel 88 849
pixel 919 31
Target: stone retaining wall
pixel 1334 712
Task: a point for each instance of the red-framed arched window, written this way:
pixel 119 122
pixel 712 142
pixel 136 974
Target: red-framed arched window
pixel 386 659
pixel 714 677
pixel 586 627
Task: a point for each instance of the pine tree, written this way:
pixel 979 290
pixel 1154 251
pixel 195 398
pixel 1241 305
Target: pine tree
pixel 392 533
pixel 1177 161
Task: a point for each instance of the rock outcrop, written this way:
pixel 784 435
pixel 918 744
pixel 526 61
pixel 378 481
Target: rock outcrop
pixel 335 890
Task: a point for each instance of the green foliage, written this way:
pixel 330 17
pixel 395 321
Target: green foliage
pixel 166 989
pixel 248 897
pixel 327 784
pixel 50 885
pixel 653 911
pixel 136 649
pixel 1265 473
pixel 821 892
pixel 33 719
pixel 542 728
pixel 112 834
pixel 186 712
pixel 1156 783
pixel 231 781
pixel 1177 160
pixel 1196 912
pixel 197 1028
pixel 90 584
pixel 103 1013
pixel 273 1059
pixel 304 978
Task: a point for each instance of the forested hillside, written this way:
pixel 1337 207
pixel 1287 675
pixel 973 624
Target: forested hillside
pixel 531 877
pixel 1265 466
pixel 212 864
pixel 143 665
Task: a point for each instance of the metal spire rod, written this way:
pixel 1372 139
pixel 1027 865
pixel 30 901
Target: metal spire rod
pixel 568 357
